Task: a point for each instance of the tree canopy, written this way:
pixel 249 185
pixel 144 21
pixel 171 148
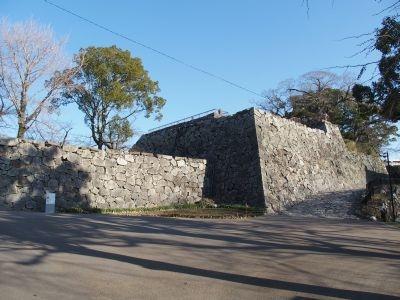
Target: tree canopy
pixel 386 90
pixel 324 95
pixel 110 88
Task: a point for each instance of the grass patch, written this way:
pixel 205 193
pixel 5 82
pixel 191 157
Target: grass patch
pixel 197 210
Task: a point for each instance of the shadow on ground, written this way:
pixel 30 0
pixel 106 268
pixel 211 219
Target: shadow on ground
pixel 275 236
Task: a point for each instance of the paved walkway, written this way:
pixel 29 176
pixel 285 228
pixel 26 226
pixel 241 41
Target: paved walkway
pixel 335 205
pixel 106 257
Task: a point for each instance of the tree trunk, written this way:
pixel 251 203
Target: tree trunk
pixel 22 112
pixel 99 141
pixel 21 130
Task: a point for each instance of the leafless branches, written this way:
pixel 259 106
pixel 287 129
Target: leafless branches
pixel 367 43
pixel 390 8
pixel 306 3
pixel 30 57
pixel 310 86
pixel 46 128
pixel 276 100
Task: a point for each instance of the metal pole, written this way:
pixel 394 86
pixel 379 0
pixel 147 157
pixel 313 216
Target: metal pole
pixel 391 187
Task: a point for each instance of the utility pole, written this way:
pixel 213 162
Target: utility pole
pixel 391 187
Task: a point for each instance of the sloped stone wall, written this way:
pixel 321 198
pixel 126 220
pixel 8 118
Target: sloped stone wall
pixel 299 162
pixel 260 159
pixel 228 143
pixel 83 177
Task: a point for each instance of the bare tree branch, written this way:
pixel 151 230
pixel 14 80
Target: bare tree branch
pixel 352 66
pixel 394 6
pixel 30 55
pixel 65 137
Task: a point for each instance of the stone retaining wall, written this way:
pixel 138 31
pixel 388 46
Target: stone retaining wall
pixel 228 143
pixel 299 162
pixel 260 159
pixel 251 157
pixel 85 177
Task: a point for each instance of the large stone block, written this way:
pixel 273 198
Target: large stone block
pixel 121 161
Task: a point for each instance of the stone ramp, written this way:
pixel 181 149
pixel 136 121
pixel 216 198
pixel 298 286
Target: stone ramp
pixel 334 205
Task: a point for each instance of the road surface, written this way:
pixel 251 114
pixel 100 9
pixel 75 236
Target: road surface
pixel 273 257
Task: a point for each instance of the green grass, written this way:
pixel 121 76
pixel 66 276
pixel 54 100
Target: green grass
pixel 180 211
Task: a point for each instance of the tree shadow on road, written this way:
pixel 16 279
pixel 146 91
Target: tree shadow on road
pixel 81 235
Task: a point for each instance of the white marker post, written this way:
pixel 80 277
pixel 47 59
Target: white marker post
pixel 50 203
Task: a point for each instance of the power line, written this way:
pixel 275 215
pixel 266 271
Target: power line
pixel 177 60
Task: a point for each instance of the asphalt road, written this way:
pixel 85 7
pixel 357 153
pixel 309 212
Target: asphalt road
pixel 108 257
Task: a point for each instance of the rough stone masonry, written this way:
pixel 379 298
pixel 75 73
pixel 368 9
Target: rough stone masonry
pixel 260 159
pixel 91 178
pixel 251 157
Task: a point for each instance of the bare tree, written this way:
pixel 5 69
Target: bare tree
pixel 3 111
pixel 30 56
pixel 47 128
pixel 315 87
pixel 310 86
pixel 318 81
pixel 277 101
pixel 320 93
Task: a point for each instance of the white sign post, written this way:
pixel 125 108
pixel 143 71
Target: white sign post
pixel 50 203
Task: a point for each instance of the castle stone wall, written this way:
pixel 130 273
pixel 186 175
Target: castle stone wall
pixel 83 177
pixel 299 162
pixel 260 159
pixel 251 157
pixel 228 143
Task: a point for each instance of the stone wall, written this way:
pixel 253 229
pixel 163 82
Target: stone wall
pixel 299 162
pixel 228 143
pixel 83 177
pixel 251 157
pixel 260 159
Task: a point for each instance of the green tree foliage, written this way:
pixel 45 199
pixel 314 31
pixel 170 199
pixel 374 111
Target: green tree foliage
pixel 118 132
pixel 387 89
pixel 318 96
pixel 110 88
pixel 385 92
